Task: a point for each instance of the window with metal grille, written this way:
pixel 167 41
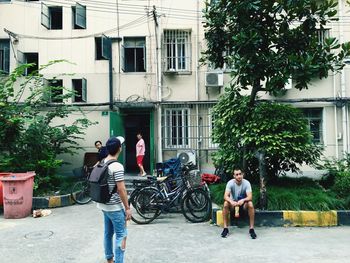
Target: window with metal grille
pixel 134 54
pixel 4 56
pixel 177 50
pixel 322 34
pixel 211 119
pixel 176 129
pixel 79 89
pixel 314 119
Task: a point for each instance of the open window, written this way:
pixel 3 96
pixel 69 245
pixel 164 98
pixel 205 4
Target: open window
pixel 103 48
pixel 4 56
pixel 51 16
pixel 29 58
pixel 79 16
pixel 134 53
pixel 314 119
pixel 56 90
pixel 79 89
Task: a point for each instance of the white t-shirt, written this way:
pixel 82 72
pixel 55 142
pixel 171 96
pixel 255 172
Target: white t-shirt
pixel 116 174
pixel 238 192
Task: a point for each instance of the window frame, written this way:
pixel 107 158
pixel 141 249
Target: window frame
pixel 134 48
pixel 79 16
pixel 51 84
pixel 22 58
pixel 46 16
pixel 170 129
pixel 5 56
pixel 177 50
pixel 82 94
pixel 310 119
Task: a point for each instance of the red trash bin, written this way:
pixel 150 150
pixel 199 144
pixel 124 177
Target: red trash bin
pixel 1 196
pixel 18 194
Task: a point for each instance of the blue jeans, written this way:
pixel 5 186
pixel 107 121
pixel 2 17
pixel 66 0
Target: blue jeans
pixel 114 222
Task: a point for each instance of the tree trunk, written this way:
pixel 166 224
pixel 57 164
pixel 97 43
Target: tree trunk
pixel 254 92
pixel 262 175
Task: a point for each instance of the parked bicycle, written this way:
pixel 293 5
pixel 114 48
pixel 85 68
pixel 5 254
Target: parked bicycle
pixel 80 191
pixel 161 196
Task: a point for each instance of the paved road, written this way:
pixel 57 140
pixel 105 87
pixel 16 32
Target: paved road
pixel 74 234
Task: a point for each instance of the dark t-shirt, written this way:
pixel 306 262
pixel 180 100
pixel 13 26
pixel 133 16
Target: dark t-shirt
pixel 103 153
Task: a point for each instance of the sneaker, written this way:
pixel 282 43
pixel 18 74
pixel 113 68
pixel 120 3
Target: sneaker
pixel 252 233
pixel 144 174
pixel 224 232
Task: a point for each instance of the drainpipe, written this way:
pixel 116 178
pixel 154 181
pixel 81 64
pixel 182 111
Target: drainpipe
pixel 335 121
pixel 199 139
pixel 110 70
pixel 342 83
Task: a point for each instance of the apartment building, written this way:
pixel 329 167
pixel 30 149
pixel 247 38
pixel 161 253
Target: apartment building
pixel 136 68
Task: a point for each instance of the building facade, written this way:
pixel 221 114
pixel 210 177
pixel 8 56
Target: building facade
pixel 134 66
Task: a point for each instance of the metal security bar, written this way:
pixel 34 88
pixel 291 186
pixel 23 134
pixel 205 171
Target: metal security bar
pixel 177 50
pixel 187 126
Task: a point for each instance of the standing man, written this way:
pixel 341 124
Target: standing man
pixel 116 211
pixel 102 151
pixel 238 196
pixel 140 153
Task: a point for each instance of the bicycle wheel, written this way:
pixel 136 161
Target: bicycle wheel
pixel 81 192
pixel 144 205
pixel 196 206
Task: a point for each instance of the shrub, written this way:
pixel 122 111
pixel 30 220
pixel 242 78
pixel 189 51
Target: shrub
pixel 342 184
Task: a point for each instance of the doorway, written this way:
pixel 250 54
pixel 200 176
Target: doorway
pixel 136 122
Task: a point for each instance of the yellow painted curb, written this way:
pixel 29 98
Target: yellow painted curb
pixel 54 201
pixel 310 218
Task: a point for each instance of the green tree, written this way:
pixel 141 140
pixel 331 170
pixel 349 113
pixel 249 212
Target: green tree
pixel 266 43
pixel 32 133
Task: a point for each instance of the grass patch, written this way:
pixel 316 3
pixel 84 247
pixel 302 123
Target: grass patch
pixel 291 194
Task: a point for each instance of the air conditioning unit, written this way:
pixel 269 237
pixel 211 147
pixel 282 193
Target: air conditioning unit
pixel 187 156
pixel 214 79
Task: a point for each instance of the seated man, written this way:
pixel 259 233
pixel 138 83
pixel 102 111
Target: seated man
pixel 238 195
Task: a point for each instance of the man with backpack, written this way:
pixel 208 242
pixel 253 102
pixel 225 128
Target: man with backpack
pixel 116 210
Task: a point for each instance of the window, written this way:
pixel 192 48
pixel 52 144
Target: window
pixel 51 16
pixel 103 48
pixel 177 47
pixel 5 1
pixel 79 89
pixel 4 56
pixel 322 34
pixel 314 119
pixel 56 90
pixel 177 128
pixel 211 119
pixel 134 54
pixel 79 16
pixel 29 58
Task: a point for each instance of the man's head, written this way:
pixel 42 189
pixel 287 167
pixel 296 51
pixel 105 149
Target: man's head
pixel 238 175
pixel 98 145
pixel 114 145
pixel 139 136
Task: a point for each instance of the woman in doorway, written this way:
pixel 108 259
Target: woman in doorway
pixel 140 153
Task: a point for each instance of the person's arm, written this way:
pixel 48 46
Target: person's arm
pixel 124 197
pixel 227 197
pixel 248 198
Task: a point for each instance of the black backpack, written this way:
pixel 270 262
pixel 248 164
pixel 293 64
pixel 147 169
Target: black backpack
pixel 98 182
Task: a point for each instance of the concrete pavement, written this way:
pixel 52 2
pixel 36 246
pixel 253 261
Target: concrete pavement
pixel 74 234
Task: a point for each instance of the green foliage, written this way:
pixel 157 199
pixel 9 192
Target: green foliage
pixel 291 194
pixel 271 41
pixel 279 130
pixel 337 169
pixel 31 131
pixel 342 184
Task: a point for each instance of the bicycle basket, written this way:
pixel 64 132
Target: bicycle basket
pixel 194 178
